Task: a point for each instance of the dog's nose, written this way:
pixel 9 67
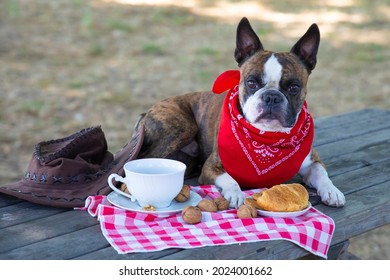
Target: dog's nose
pixel 271 98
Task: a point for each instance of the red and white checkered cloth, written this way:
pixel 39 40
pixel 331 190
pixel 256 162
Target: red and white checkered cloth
pixel 130 232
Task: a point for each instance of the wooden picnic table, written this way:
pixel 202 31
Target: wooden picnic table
pixel 355 147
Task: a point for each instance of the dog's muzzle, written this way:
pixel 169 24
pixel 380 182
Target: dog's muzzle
pixel 271 98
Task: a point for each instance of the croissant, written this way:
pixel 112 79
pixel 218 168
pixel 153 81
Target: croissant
pixel 283 198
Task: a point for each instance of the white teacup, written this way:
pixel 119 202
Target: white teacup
pixel 151 181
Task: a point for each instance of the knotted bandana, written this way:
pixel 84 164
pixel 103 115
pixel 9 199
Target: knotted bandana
pixel 255 158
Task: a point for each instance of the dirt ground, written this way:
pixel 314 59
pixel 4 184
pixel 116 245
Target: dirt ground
pixel 70 64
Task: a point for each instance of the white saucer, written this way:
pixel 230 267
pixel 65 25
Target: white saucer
pixel 283 214
pixel 175 207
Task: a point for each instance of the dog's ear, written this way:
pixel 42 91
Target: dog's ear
pixel 247 42
pixel 307 47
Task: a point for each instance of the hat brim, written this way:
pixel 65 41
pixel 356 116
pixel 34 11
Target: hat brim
pixel 74 195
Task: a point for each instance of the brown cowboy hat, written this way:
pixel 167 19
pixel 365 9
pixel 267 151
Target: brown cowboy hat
pixel 64 172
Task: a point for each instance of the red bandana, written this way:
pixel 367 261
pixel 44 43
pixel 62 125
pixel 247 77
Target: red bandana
pixel 256 158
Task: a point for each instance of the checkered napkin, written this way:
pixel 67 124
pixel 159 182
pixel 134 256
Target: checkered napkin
pixel 129 231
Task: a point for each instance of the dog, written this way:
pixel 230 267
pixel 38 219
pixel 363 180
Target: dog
pixel 257 134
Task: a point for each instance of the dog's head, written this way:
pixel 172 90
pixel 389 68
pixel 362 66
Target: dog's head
pixel 272 89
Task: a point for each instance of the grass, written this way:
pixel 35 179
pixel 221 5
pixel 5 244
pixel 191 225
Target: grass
pixel 96 49
pixel 370 53
pixel 32 107
pixel 172 16
pixel 76 84
pixel 12 8
pixel 207 51
pixel 152 49
pixel 119 24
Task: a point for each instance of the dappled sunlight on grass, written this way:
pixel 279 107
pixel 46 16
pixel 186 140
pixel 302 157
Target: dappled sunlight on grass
pixel 330 15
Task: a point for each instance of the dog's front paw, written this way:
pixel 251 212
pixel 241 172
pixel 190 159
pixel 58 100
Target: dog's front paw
pixel 234 196
pixel 230 190
pixel 332 196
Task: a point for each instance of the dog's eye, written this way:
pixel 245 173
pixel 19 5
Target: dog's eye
pixel 294 89
pixel 252 84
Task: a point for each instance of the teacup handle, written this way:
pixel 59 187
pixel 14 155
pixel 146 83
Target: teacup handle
pixel 115 189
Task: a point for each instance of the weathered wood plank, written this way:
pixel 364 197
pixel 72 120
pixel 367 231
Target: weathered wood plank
pixel 347 130
pixel 66 246
pixel 25 211
pixel 241 251
pixel 366 155
pixel 6 200
pixel 363 178
pixel 110 254
pixel 365 210
pixel 352 144
pixel 330 122
pixel 37 230
pixel 86 243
